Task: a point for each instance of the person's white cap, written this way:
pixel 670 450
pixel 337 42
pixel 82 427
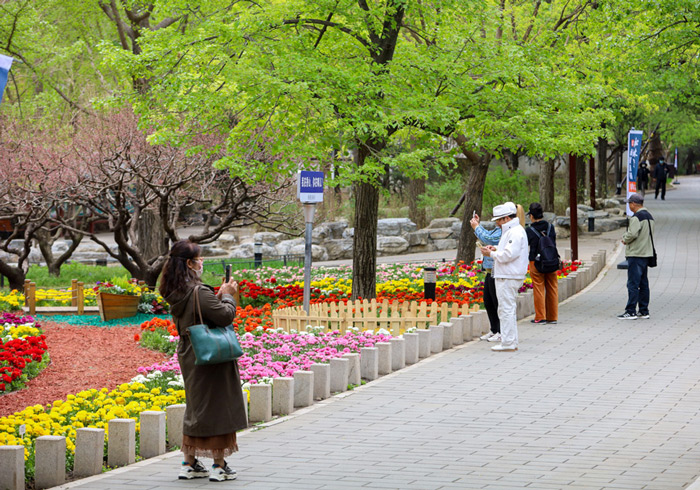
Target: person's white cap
pixel 503 210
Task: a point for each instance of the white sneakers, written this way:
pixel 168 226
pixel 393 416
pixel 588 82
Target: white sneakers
pixel 504 348
pixel 487 336
pixel 491 337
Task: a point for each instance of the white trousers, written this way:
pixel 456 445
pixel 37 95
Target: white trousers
pixel 507 292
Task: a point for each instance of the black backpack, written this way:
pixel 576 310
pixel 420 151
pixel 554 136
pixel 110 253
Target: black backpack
pixel 547 259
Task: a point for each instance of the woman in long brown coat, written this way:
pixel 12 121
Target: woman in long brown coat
pixel 214 398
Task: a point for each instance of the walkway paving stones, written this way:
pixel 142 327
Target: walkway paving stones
pixel 593 402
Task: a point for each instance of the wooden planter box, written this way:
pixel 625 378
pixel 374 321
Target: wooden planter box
pixel 114 306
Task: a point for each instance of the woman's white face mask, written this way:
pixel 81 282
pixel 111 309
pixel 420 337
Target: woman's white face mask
pixel 197 272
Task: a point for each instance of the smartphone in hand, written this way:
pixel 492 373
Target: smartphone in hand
pixel 228 272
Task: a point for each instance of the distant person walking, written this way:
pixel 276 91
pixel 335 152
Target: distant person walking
pixel 215 409
pixel 509 269
pixel 643 178
pixel 545 285
pixel 661 175
pixel 489 237
pixel 638 250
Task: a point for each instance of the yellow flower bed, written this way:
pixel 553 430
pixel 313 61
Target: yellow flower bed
pixel 12 301
pixel 89 408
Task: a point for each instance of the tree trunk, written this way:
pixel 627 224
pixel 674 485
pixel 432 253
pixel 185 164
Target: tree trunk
pixel 46 240
pixel 151 238
pixel 364 255
pixel 547 184
pixel 478 168
pixel 416 188
pixel 602 180
pixel 581 187
pixel 14 275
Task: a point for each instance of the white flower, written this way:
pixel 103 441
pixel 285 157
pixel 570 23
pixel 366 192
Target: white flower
pixel 383 331
pixel 139 379
pixel 248 335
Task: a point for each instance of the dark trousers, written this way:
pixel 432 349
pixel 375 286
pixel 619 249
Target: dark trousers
pixel 660 186
pixel 491 303
pixel 637 285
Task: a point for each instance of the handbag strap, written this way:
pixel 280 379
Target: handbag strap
pixel 651 234
pixel 197 307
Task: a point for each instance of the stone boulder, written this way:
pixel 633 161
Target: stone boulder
pixel 391 245
pixel 456 229
pixel 227 241
pixel 247 251
pixel 420 237
pixel 348 233
pixel 270 238
pixel 285 246
pixel 395 226
pixel 615 211
pixel 428 247
pixel 445 244
pixel 210 250
pixel 440 233
pixel 610 203
pixel 582 209
pixel 320 234
pixel 337 229
pixel 443 222
pixel 318 252
pixel 604 224
pixel 339 249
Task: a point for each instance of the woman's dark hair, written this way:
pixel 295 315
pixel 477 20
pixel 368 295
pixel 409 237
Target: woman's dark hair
pixel 176 275
pixel 536 210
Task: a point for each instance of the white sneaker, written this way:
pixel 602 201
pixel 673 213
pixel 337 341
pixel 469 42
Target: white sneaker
pixel 487 336
pixel 197 470
pixel 220 474
pixel 495 338
pixel 504 348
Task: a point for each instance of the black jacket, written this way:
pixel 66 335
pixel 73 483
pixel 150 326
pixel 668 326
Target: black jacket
pixel 660 172
pixel 534 232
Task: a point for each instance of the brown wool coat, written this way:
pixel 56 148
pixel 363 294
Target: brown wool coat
pixel 213 393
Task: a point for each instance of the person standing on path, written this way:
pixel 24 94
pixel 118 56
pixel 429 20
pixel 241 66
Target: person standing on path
pixel 638 250
pixel 643 178
pixel 545 285
pixel 661 175
pixel 489 237
pixel 214 397
pixel 509 269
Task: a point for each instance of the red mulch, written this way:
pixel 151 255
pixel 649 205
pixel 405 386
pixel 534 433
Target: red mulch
pixel 82 358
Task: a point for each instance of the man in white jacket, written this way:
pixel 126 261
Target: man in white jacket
pixel 509 269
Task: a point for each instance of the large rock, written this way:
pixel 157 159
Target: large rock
pixel 395 226
pixel 270 238
pixel 446 244
pixel 456 229
pixel 440 233
pixel 89 246
pixel 60 246
pixel 337 228
pixel 284 247
pixel 209 250
pixel 227 241
pixel 615 211
pixel 339 249
pixel 582 209
pixel 562 232
pixel 317 252
pixel 443 222
pixel 391 245
pixel 604 224
pixel 348 233
pixel 415 249
pixel 420 237
pixel 247 251
pixel 320 234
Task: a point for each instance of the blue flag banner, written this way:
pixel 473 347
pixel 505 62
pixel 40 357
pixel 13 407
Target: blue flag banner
pixel 634 146
pixel 5 64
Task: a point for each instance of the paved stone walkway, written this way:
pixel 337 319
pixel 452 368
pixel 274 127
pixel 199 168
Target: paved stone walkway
pixel 593 402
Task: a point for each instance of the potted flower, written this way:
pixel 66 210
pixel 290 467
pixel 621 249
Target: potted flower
pixel 117 299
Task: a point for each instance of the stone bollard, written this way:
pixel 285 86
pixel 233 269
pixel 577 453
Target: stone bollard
pixel 529 302
pixel 303 388
pixel 369 363
pixel 322 380
pixel 457 330
pixel 174 415
pixel 562 289
pixel 398 353
pixel 260 403
pixel 436 342
pixel 481 323
pixel 411 343
pixel 520 307
pixel 446 335
pixel 384 356
pixel 467 327
pixel 121 442
pixel 282 396
pixel 50 461
pixel 152 440
pixel 89 452
pixel 567 254
pixel 12 467
pixel 340 373
pixel 424 341
pixel 354 377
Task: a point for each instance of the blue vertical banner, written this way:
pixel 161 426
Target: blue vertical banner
pixel 634 146
pixel 5 65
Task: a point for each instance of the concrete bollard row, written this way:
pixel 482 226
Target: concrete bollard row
pixel 282 396
pixel 303 388
pixel 340 374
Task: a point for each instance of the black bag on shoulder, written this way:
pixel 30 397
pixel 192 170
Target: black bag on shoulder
pixel 547 259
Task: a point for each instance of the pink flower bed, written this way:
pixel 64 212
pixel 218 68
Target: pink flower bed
pixel 273 355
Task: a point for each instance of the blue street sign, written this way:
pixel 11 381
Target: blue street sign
pixel 310 186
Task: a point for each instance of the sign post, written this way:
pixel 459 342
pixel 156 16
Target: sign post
pixel 309 192
pixel 634 147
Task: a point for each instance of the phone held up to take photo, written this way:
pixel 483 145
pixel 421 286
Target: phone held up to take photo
pixel 228 272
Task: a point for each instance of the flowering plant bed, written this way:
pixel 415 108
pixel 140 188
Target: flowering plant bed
pixel 22 351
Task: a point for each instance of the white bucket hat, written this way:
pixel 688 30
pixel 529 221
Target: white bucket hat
pixel 503 210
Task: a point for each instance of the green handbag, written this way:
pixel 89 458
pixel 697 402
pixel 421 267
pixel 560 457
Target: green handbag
pixel 212 345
